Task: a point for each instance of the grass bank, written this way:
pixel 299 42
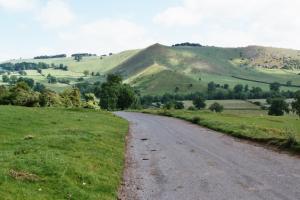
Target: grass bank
pixel 60 153
pixel 283 132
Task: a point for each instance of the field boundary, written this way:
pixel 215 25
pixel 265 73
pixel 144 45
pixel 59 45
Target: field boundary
pixel 256 81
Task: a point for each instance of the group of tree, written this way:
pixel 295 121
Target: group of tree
pixel 22 94
pixel 21 67
pixel 187 44
pixel 49 57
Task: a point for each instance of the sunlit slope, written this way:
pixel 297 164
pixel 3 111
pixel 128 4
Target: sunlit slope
pixel 159 69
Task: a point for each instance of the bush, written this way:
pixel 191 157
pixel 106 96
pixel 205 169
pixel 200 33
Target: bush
pixel 196 120
pixel 192 108
pixel 278 107
pixel 179 105
pixel 216 107
pixel 199 102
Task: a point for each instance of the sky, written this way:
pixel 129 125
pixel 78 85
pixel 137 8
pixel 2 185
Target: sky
pixel 45 27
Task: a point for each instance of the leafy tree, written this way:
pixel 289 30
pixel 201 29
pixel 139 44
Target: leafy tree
pixel 289 83
pixel 13 79
pixel 29 81
pixel 178 105
pixel 39 87
pixel 48 98
pixel 86 72
pixel 126 97
pixel 275 87
pixel 296 103
pixel 90 101
pixel 5 79
pixel 114 79
pixel 216 107
pixel 21 95
pixel 71 98
pixel 199 102
pixel 278 107
pixel 238 88
pixel 78 58
pixel 211 87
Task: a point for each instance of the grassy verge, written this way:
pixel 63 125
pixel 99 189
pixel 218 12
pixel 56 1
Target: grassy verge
pixel 60 154
pixel 282 131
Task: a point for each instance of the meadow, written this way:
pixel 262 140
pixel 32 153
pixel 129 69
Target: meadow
pixel 251 124
pixel 56 153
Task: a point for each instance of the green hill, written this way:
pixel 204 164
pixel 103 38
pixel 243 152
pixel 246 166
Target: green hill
pixel 184 69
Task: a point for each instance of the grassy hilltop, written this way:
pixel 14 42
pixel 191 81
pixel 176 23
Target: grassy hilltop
pixel 159 69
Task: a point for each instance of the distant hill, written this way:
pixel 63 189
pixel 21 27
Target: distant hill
pixel 188 68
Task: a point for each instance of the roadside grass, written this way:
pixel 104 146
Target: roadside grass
pixel 255 125
pixel 59 153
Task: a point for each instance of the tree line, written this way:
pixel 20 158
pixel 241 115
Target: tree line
pixel 49 57
pixel 110 95
pixel 11 67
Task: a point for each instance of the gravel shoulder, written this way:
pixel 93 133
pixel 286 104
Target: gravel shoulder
pixel 172 159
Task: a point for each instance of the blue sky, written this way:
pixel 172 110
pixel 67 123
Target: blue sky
pixel 39 27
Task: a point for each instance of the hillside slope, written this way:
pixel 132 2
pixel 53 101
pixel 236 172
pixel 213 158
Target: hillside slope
pixel 159 69
pixel 185 69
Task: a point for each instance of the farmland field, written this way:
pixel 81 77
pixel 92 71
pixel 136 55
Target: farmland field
pixel 60 153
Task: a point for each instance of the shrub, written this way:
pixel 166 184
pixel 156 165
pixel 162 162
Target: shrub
pixel 179 105
pixel 216 107
pixel 196 120
pixel 199 102
pixel 192 108
pixel 278 107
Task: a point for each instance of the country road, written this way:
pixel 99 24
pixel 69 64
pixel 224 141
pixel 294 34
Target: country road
pixel 172 159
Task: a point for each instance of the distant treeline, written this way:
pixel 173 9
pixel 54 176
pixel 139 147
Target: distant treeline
pixel 54 56
pixel 11 67
pixel 23 66
pixel 187 44
pixel 83 54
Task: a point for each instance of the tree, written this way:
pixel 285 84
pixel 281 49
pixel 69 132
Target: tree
pixel 238 88
pixel 178 105
pixel 278 107
pixel 71 98
pixel 78 58
pixel 296 103
pixel 13 79
pixel 126 97
pixel 211 86
pixel 39 87
pixel 289 83
pixel 29 81
pixel 216 107
pixel 48 98
pixel 275 87
pixel 5 79
pixel 114 79
pixel 199 102
pixel 86 72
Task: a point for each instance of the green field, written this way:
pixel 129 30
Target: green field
pixel 248 124
pixel 60 153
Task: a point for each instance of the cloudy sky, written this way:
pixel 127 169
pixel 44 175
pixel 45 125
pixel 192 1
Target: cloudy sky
pixel 39 27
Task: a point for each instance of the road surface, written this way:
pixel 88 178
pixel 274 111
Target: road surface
pixel 172 159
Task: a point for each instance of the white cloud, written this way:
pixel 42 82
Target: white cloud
pixel 236 22
pixel 55 14
pixel 106 35
pixel 18 5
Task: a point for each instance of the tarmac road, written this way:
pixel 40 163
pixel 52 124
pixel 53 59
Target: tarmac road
pixel 172 159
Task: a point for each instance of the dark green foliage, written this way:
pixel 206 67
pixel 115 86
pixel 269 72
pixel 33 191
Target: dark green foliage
pixel 238 88
pixel 275 87
pixel 78 58
pixel 5 79
pixel 216 107
pixel 211 87
pixel 29 81
pixel 39 87
pixel 199 102
pixel 178 105
pixel 296 103
pixel 51 79
pixel 49 99
pixel 126 97
pixel 115 95
pixel 278 107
